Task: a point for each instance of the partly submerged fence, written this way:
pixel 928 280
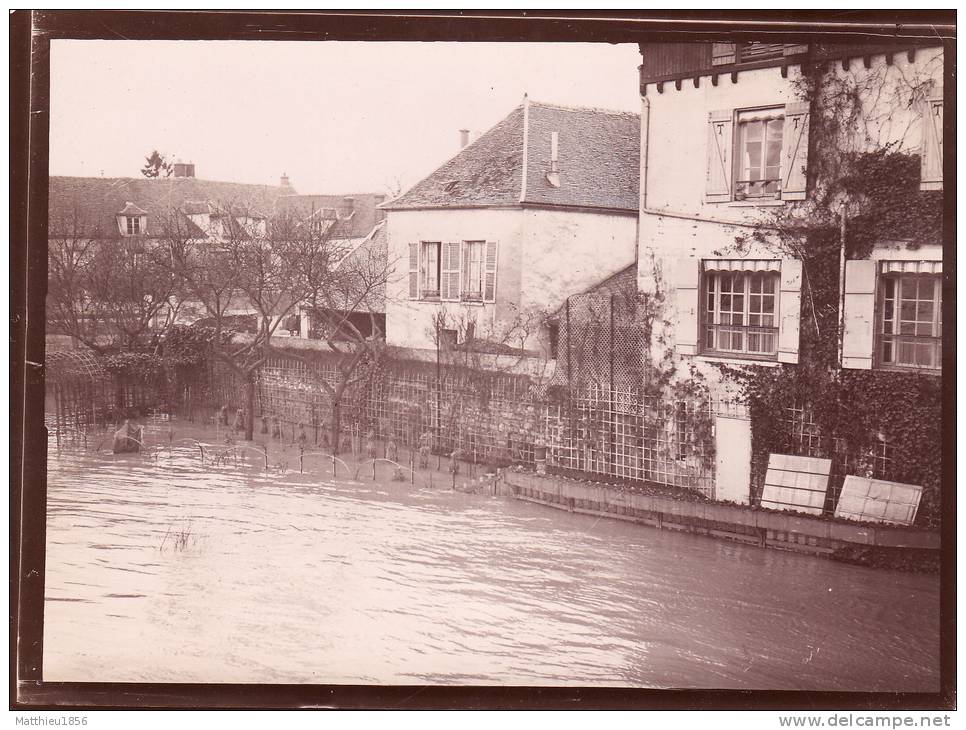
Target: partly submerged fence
pixel 497 418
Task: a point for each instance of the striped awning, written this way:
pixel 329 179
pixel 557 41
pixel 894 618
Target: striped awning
pixel 912 267
pixel 742 265
pixel 764 115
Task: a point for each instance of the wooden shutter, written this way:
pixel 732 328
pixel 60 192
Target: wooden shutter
pixel 858 335
pixel 489 276
pixel 687 280
pixel 789 310
pixel 449 284
pixel 414 271
pixel 718 181
pixel 932 142
pixel 795 151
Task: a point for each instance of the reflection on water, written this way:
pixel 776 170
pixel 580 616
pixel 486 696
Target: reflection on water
pixel 171 570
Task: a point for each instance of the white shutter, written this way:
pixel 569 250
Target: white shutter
pixel 450 275
pixel 795 151
pixel 789 310
pixel 859 316
pixel 687 280
pixel 932 142
pixel 414 271
pixel 489 278
pixel 718 182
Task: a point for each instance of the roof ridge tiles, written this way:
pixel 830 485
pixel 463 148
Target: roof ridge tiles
pixel 578 108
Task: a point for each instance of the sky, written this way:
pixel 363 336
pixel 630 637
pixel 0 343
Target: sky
pixel 336 117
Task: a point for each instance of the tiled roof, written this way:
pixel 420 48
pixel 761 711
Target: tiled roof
pixel 486 172
pixel 91 204
pixel 598 161
pixel 620 283
pixel 365 211
pixel 364 289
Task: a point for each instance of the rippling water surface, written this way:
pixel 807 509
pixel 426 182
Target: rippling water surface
pixel 170 570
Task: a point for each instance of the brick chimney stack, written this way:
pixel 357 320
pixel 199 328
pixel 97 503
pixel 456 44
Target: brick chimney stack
pixel 184 169
pixel 464 138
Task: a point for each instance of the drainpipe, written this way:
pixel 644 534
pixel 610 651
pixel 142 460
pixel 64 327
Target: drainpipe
pixel 841 332
pixel 645 133
pixel 645 119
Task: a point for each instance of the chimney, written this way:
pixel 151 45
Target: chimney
pixel 284 181
pixel 348 205
pixel 464 138
pixel 553 177
pixel 184 169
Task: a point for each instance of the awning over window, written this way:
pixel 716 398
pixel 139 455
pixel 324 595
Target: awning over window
pixel 764 115
pixel 912 267
pixel 742 265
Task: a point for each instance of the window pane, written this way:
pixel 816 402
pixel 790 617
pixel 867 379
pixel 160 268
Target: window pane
pixel 887 350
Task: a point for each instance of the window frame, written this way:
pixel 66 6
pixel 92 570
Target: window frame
pixel 132 225
pixel 703 314
pixel 878 340
pixel 466 294
pixel 737 152
pixel 424 292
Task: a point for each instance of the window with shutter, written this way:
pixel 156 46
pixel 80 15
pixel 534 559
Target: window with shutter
pixel 858 314
pixel 489 284
pixel 473 270
pixel 686 326
pixel 430 266
pixel 414 271
pixel 790 308
pixel 932 143
pixel 794 159
pixel 759 153
pixel 740 308
pixel 450 273
pixel 909 315
pixel 718 173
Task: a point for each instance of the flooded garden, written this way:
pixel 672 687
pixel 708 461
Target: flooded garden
pixel 201 560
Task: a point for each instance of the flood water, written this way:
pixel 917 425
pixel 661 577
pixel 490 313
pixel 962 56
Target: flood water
pixel 171 569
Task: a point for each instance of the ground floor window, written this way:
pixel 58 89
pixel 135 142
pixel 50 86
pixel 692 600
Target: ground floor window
pixel 910 320
pixel 741 313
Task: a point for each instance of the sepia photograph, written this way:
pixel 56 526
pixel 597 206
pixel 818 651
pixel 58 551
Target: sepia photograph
pixel 477 363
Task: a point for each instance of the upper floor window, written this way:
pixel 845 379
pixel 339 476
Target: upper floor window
pixel 766 157
pixel 133 225
pixel 759 154
pixel 932 142
pixel 473 267
pixel 430 268
pixel 453 270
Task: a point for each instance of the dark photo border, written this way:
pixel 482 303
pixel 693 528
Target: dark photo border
pixel 30 35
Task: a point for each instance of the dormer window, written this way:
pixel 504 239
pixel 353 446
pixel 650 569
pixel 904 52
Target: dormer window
pixel 132 221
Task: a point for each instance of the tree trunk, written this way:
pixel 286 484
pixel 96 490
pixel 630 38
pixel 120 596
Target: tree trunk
pixel 250 406
pixel 336 425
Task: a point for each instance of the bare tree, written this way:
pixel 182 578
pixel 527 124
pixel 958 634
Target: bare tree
pixel 470 355
pixel 348 313
pixel 269 267
pixel 107 292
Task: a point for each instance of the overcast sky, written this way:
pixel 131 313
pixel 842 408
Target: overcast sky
pixel 336 117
